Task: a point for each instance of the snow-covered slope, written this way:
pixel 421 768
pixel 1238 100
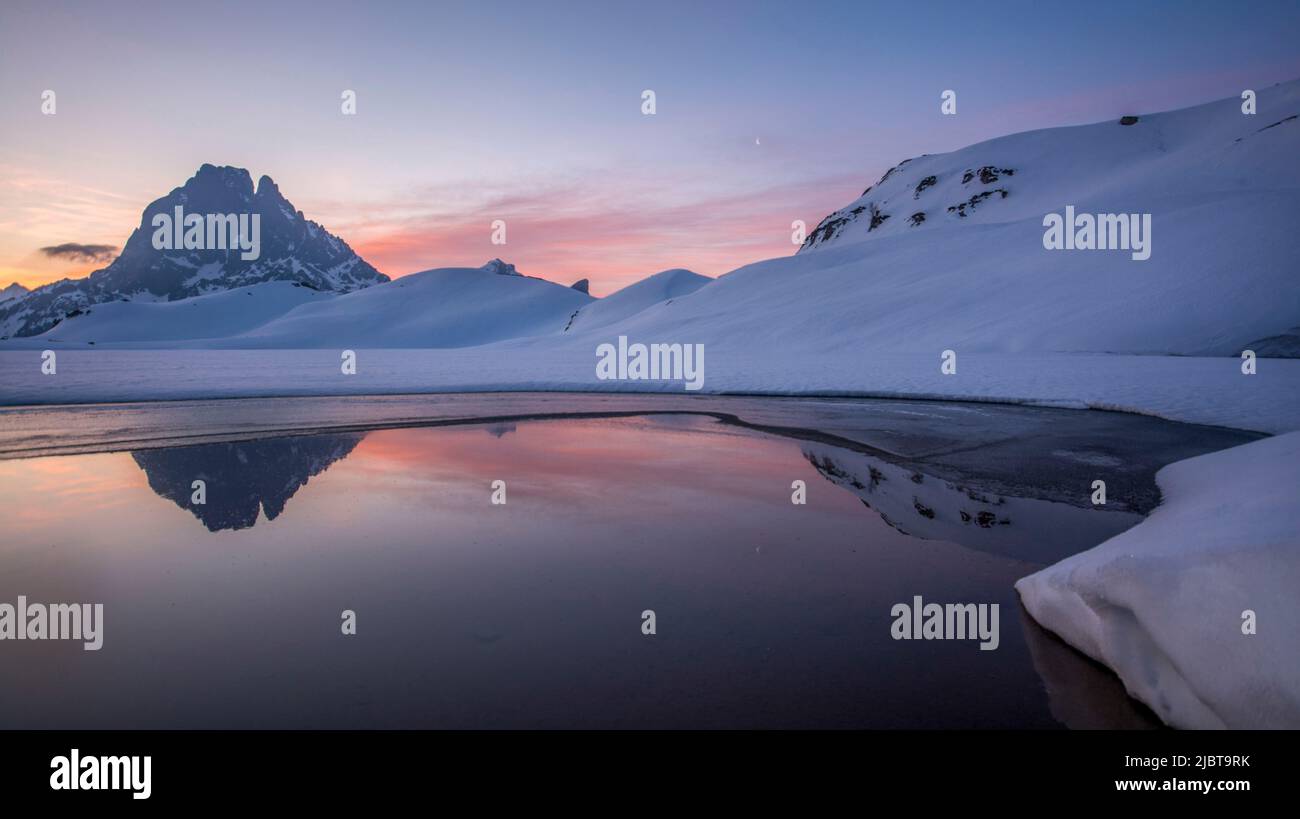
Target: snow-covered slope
pixel 214 316
pixel 1104 167
pixel 1168 603
pixel 1222 188
pixel 661 287
pixel 1282 345
pixel 447 307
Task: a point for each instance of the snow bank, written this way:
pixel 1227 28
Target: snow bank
pixel 1162 604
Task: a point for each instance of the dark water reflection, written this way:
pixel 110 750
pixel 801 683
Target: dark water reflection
pixel 528 615
pixel 247 479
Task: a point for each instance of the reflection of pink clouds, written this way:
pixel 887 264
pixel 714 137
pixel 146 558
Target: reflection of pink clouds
pixel 91 482
pixel 569 235
pixel 580 462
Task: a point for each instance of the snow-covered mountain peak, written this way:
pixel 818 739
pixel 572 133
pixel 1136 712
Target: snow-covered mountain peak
pixel 290 248
pixel 13 291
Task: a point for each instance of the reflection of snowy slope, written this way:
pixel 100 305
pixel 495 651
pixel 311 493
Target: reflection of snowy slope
pixel 1163 604
pixel 918 504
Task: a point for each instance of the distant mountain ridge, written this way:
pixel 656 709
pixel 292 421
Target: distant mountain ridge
pixel 292 248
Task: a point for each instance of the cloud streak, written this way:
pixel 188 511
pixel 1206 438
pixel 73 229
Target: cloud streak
pixel 565 231
pixel 78 252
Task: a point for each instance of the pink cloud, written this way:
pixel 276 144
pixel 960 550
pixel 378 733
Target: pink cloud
pixel 568 232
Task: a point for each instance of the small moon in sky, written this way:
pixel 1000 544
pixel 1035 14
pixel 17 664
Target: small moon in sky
pixel 756 142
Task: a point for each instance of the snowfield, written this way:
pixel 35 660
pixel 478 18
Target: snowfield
pixel 1197 390
pixel 448 307
pixel 1163 603
pixel 660 288
pixel 210 317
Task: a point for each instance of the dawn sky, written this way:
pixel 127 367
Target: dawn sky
pixel 531 113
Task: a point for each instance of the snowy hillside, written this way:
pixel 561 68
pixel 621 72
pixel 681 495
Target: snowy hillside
pixel 1222 189
pixel 1282 345
pixel 214 316
pixel 447 307
pixel 652 290
pixel 290 247
pixel 450 307
pixel 1104 167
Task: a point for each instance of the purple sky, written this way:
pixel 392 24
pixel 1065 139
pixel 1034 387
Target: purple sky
pixel 531 113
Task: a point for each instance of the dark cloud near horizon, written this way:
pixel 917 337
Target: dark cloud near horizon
pixel 77 252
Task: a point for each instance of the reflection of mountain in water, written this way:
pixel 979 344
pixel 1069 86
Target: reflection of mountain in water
pixel 1025 526
pixel 242 477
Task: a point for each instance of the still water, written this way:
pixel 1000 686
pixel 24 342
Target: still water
pixel 529 613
